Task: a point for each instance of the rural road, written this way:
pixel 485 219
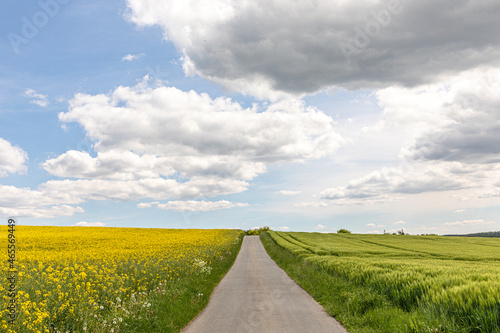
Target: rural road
pixel 256 296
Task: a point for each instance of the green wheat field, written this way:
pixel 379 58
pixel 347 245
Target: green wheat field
pixel 438 284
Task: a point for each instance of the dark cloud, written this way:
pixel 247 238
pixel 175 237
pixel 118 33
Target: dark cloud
pixel 454 131
pixel 472 132
pixel 388 183
pixel 301 47
pixel 465 142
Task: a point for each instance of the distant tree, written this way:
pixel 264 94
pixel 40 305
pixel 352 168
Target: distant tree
pixel 401 232
pixel 481 234
pixel 343 231
pixel 254 232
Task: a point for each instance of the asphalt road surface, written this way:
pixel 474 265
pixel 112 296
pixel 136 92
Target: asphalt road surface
pixel 256 296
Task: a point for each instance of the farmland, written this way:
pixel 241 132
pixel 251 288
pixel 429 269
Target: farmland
pixel 90 279
pixel 386 283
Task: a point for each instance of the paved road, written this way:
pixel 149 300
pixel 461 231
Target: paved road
pixel 256 296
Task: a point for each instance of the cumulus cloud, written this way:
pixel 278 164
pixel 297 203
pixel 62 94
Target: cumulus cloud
pixel 470 129
pixel 373 225
pixel 147 204
pixel 468 222
pixel 289 192
pixel 386 184
pixel 36 98
pixel 12 159
pixel 89 224
pixel 312 204
pixel 132 57
pixel 113 164
pixel 452 134
pixel 133 190
pixel 59 197
pixel 203 136
pixel 21 210
pixel 399 223
pixel 164 143
pixel 200 206
pixel 41 203
pixel 301 47
pixel 320 227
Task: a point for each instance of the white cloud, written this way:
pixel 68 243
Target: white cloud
pixel 132 57
pixel 468 130
pixel 452 136
pixel 312 204
pixel 386 184
pixel 89 224
pixel 459 210
pixel 54 198
pixel 42 203
pixel 147 204
pixel 164 143
pixel 285 228
pixel 373 225
pixel 153 188
pixel 320 227
pixel 289 193
pixel 399 223
pixel 263 46
pixel 38 99
pixel 25 197
pixel 12 159
pixel 491 191
pixel 468 223
pixel 113 164
pixel 196 135
pixel 200 206
pixel 39 212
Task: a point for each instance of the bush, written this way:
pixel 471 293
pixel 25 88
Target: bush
pixel 255 232
pixel 343 231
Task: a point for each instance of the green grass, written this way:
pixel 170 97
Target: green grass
pixel 385 283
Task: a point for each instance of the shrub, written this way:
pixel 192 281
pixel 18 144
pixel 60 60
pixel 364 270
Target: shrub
pixel 254 232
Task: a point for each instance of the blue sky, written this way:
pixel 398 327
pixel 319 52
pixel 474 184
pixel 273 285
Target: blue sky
pixel 367 115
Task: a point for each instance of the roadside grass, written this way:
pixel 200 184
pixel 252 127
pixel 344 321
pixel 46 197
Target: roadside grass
pixel 358 307
pixel 180 301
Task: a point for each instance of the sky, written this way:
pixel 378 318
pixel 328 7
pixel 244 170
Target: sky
pixel 369 115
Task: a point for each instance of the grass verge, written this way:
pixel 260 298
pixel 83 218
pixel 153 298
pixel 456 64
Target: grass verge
pixel 169 308
pixel 359 308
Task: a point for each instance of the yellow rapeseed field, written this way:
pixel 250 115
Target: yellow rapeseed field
pixel 91 279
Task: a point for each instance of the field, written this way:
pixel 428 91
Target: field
pixel 397 283
pixel 84 279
